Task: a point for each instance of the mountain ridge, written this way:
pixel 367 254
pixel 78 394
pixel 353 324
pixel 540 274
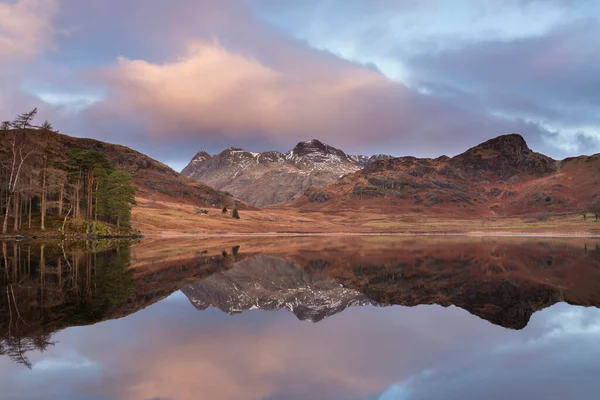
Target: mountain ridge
pixel 270 177
pixel 499 177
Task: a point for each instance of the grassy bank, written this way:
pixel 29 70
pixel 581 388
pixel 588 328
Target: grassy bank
pixel 171 218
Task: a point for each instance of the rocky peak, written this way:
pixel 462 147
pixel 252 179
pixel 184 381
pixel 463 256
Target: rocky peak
pixel 195 163
pixel 313 147
pixel 233 150
pixel 200 156
pixel 363 161
pixel 511 145
pixel 504 156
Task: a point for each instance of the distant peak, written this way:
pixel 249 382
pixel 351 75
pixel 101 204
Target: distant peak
pixel 315 142
pixel 201 153
pixel 234 149
pixel 511 144
pixel 200 156
pixel 313 146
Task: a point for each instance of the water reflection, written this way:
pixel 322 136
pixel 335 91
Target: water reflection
pixel 170 350
pixel 50 286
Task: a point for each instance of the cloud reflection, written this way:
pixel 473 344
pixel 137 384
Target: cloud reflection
pixel 171 351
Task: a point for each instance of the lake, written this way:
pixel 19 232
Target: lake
pixel 380 317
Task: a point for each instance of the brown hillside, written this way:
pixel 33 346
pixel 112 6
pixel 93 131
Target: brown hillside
pixel 501 177
pixel 153 179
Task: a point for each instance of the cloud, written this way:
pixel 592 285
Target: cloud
pixel 171 350
pixel 214 92
pixel 551 80
pixel 560 347
pixel 519 60
pixel 172 77
pixel 26 28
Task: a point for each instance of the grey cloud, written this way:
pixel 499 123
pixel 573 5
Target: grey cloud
pixel 551 79
pixel 557 362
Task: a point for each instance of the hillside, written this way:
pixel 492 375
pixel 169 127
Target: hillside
pixel 272 177
pixel 151 177
pixel 501 177
pixel 73 186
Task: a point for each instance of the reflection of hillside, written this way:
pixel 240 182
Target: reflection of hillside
pixel 45 288
pixel 501 280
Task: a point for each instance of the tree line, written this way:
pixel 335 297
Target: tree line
pixel 38 186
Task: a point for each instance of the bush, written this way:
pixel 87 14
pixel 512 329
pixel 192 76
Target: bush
pixel 234 213
pixel 596 209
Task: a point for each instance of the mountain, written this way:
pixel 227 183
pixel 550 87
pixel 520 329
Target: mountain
pixel 267 283
pixel 500 177
pixel 272 177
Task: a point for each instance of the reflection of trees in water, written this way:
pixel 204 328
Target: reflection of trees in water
pixel 46 287
pixel 15 347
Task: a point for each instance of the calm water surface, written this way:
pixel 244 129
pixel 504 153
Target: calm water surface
pixel 301 318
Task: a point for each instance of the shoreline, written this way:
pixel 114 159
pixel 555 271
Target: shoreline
pixel 59 237
pixel 350 234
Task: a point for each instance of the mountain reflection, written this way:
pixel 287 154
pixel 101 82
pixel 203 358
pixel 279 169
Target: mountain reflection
pixel 45 288
pixel 502 280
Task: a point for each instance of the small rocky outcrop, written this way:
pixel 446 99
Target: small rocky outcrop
pixel 504 156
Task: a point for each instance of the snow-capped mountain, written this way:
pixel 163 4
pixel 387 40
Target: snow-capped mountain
pixel 272 177
pixel 363 161
pixel 268 283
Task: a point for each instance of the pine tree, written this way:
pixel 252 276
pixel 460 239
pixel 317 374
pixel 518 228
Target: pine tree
pixel 234 213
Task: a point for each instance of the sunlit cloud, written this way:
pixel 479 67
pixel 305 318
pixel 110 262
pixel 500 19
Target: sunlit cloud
pixel 405 77
pixel 26 28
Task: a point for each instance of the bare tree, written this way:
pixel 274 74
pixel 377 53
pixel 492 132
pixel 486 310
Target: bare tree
pixel 17 157
pixel 44 193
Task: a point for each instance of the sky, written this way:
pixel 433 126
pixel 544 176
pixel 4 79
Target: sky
pixel 172 351
pixel 402 77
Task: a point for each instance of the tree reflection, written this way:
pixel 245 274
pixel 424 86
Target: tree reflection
pixel 15 346
pixel 45 287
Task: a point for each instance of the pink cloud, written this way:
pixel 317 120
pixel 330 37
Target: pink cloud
pixel 288 95
pixel 26 28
